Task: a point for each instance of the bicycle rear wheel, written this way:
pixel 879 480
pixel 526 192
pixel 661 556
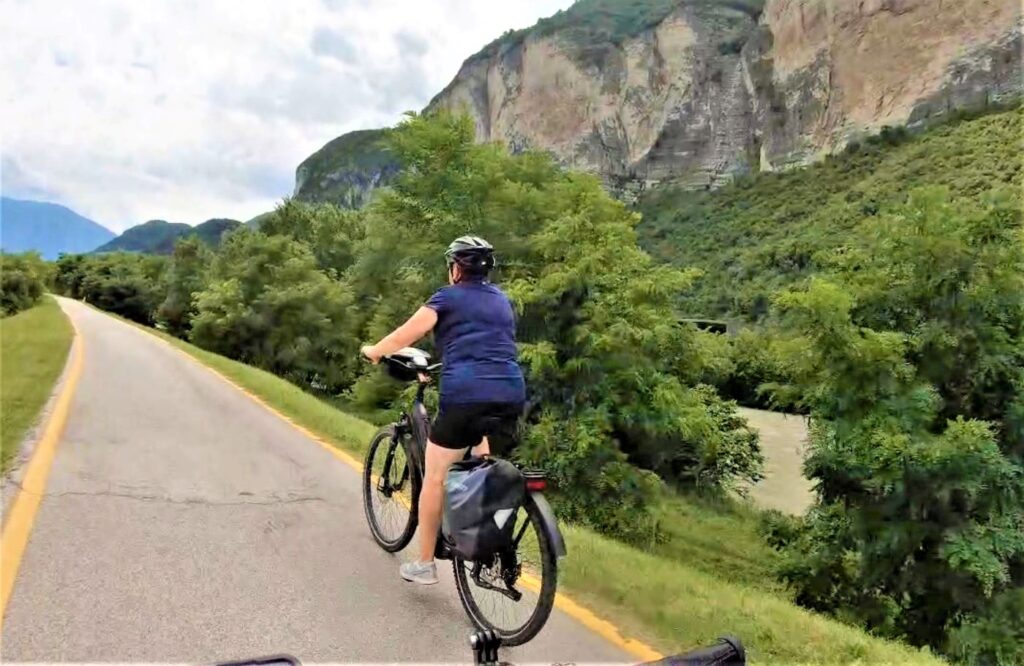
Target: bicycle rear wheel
pixel 529 571
pixel 391 490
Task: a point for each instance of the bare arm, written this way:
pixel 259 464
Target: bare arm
pixel 415 328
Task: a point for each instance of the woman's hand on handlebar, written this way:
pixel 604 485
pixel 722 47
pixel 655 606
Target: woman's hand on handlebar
pixel 371 353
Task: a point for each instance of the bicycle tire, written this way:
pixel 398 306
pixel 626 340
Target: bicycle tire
pixel 546 593
pixel 391 544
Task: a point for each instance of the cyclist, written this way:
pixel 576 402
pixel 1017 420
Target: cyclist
pixel 482 387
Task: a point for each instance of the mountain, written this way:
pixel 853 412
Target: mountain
pixel 154 237
pixel 765 232
pixel 159 236
pixel 695 92
pixel 346 170
pixel 211 231
pixel 47 228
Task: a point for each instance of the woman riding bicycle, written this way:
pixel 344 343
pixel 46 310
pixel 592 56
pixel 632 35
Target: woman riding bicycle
pixel 482 387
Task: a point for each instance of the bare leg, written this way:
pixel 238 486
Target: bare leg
pixel 439 459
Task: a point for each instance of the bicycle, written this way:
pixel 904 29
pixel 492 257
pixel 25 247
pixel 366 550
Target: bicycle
pixel 491 591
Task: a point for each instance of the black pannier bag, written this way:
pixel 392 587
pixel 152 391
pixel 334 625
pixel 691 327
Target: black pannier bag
pixel 481 499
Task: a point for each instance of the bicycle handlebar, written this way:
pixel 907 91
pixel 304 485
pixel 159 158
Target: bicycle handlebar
pixel 728 651
pixel 412 366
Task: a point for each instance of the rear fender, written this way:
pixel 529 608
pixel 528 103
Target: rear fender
pixel 548 522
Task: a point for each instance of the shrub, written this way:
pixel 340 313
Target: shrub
pixel 266 303
pixel 129 285
pixel 994 637
pixel 772 231
pixel 910 356
pixel 23 281
pixel 185 277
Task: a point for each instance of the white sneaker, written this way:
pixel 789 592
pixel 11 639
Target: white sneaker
pixel 424 573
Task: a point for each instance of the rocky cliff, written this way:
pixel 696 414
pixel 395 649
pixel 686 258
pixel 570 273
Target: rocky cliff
pixel 696 91
pixel 826 71
pixel 346 170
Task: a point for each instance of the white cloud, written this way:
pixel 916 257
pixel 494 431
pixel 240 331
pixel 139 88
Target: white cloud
pixel 127 110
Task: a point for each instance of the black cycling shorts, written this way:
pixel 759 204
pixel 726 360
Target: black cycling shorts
pixel 463 426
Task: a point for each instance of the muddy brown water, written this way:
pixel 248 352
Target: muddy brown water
pixel 783 442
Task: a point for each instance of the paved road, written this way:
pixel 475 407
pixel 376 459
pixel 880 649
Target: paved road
pixel 183 522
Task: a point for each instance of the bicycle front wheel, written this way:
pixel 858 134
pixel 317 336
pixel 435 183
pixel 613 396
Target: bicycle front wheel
pixel 391 490
pixel 513 594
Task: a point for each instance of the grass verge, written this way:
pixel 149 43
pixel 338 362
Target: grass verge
pixel 711 578
pixel 33 348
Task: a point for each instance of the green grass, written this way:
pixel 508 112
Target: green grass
pixel 33 348
pixel 676 606
pixel 712 577
pixel 718 538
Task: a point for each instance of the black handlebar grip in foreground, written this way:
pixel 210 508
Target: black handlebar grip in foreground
pixel 728 651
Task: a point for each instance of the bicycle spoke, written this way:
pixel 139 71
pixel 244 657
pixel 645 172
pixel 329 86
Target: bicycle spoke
pixel 391 513
pixel 503 612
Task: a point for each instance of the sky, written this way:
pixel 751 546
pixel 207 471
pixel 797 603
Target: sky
pixel 185 110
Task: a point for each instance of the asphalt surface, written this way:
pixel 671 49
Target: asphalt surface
pixel 185 523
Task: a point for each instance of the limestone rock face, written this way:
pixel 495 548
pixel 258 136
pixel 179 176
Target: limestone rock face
pixel 830 70
pixel 713 88
pixel 668 102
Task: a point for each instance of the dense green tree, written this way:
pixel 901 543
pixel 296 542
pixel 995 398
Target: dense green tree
pixel 126 284
pixel 185 277
pixel 69 273
pixel 24 279
pixel 993 636
pixel 268 304
pixel 910 356
pixel 332 233
pixel 610 370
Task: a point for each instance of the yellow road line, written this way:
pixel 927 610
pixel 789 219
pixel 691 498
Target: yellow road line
pixel 565 603
pixel 18 525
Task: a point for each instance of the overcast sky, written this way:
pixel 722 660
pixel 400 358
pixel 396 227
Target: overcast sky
pixel 129 110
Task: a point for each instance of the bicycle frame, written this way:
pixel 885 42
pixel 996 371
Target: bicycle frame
pixel 416 422
pixel 403 446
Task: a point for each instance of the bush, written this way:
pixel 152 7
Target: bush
pixel 69 273
pixel 994 637
pixel 910 356
pixel 267 304
pixel 756 373
pixel 185 277
pixel 129 285
pixel 23 281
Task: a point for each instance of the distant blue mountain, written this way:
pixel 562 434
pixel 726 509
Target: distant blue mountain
pixel 47 228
